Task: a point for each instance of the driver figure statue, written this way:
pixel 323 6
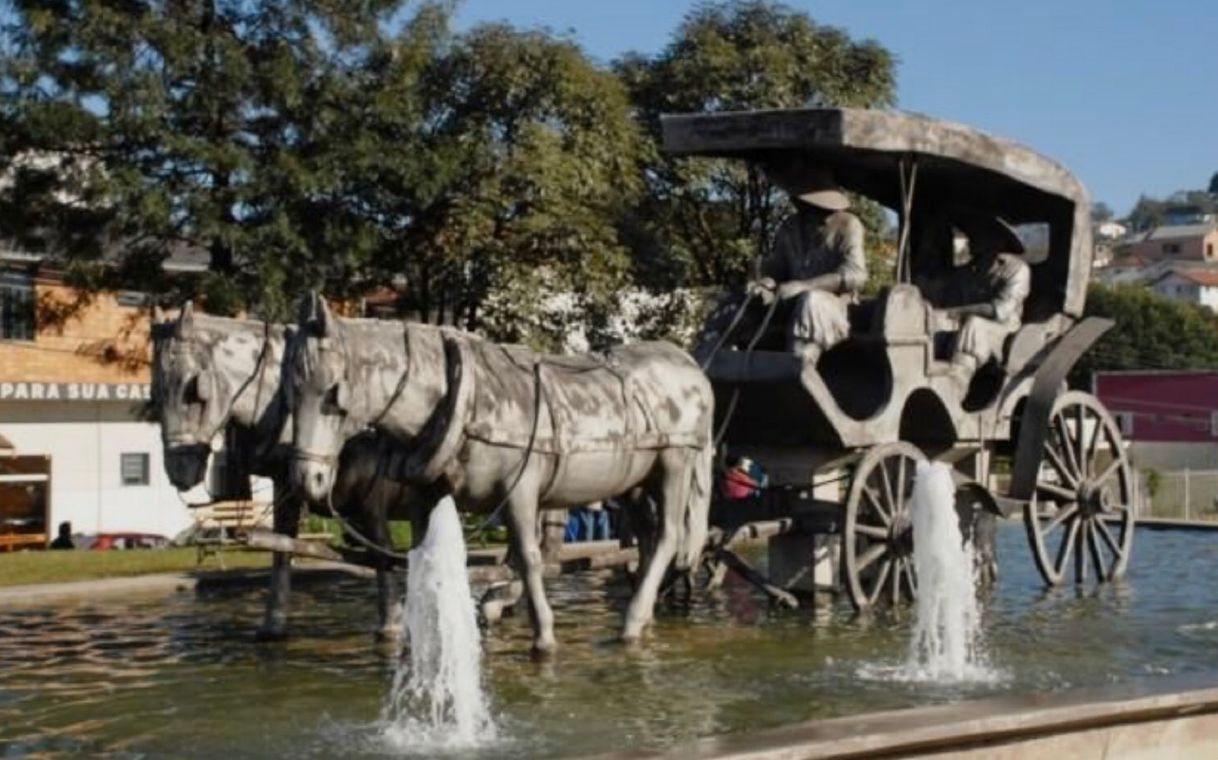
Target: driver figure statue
pixel 816 266
pixel 996 284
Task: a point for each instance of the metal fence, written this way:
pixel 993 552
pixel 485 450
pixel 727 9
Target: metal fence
pixel 1179 494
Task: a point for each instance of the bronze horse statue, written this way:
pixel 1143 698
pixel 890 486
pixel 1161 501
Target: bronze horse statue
pixel 212 374
pixel 505 427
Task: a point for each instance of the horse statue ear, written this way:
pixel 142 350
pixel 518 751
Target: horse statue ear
pixel 186 321
pixel 304 311
pixel 323 316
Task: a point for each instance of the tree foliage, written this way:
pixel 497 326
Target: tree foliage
pixel 527 152
pixel 305 143
pixel 1213 186
pixel 176 123
pixel 1150 332
pixel 702 221
pixel 1101 212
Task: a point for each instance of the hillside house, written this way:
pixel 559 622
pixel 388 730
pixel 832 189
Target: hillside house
pixel 1184 243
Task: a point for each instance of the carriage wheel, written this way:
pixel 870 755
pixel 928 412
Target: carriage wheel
pixel 877 558
pixel 1081 516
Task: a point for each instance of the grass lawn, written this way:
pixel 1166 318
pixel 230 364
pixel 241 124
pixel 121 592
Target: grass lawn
pixel 20 568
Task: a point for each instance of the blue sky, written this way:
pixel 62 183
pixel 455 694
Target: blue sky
pixel 1124 94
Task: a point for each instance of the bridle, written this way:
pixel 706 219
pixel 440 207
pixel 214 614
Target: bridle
pixel 316 457
pixel 188 440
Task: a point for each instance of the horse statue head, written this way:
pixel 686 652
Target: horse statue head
pixel 206 372
pixel 319 389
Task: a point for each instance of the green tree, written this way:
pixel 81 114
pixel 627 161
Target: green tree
pixel 704 221
pixel 1101 212
pixel 181 123
pixel 1213 188
pixel 1151 332
pixel 508 192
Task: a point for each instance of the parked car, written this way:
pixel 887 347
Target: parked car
pixel 107 541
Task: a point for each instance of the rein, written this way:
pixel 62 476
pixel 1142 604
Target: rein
pixel 480 529
pixel 258 374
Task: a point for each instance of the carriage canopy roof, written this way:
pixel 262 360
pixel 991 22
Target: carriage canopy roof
pixel 959 170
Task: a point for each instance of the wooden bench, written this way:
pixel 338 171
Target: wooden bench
pixel 222 524
pixel 12 542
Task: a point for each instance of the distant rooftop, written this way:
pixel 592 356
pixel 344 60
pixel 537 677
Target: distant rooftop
pixel 1176 231
pixel 1200 276
pixel 183 258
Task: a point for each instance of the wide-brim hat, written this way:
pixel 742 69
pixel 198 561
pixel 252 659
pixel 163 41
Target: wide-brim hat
pixel 994 233
pixel 813 185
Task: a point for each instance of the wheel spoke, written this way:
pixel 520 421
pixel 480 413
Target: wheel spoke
pixel 887 480
pixel 1093 547
pixel 1063 437
pixel 1080 555
pixel 895 583
pixel 1062 471
pixel 1092 447
pixel 900 485
pixel 1080 417
pixel 875 502
pixel 910 582
pixel 1066 546
pixel 1108 539
pixel 881 577
pixel 874 552
pixel 872 531
pixel 1061 516
pixel 1052 489
pixel 1109 471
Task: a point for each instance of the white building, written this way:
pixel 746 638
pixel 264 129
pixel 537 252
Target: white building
pixel 1195 286
pixel 74 446
pixel 80 453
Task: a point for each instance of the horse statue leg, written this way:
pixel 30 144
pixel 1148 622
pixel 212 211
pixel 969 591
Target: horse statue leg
pixel 286 523
pixel 390 595
pixel 530 564
pixel 681 476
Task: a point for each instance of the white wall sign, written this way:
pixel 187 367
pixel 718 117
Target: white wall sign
pixel 75 392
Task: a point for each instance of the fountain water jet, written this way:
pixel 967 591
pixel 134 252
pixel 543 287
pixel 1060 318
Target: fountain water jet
pixel 437 700
pixel 947 641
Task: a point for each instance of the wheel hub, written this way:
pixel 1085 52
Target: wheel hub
pixel 1093 499
pixel 900 536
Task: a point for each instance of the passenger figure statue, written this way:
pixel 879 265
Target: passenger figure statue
pixel 994 287
pixel 815 269
pixel 817 264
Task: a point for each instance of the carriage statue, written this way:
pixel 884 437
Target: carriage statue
pixel 838 434
pixel 367 419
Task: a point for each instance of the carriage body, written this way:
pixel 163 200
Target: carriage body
pixel 883 397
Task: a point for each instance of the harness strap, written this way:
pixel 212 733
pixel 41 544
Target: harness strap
pixel 308 455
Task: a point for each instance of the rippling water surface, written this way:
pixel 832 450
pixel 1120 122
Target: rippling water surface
pixel 179 675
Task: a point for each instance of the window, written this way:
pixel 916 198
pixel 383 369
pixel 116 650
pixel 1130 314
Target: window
pixel 16 306
pixel 1171 248
pixel 1209 250
pixel 134 469
pixel 1124 422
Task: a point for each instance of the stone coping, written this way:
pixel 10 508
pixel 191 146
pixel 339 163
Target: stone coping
pixel 162 583
pixel 978 727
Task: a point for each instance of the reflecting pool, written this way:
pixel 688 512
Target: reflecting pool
pixel 179 675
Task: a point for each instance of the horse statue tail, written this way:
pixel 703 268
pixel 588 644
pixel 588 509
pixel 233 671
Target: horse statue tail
pixel 697 508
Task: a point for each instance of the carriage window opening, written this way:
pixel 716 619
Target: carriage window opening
pixel 16 306
pixel 134 467
pixel 1036 239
